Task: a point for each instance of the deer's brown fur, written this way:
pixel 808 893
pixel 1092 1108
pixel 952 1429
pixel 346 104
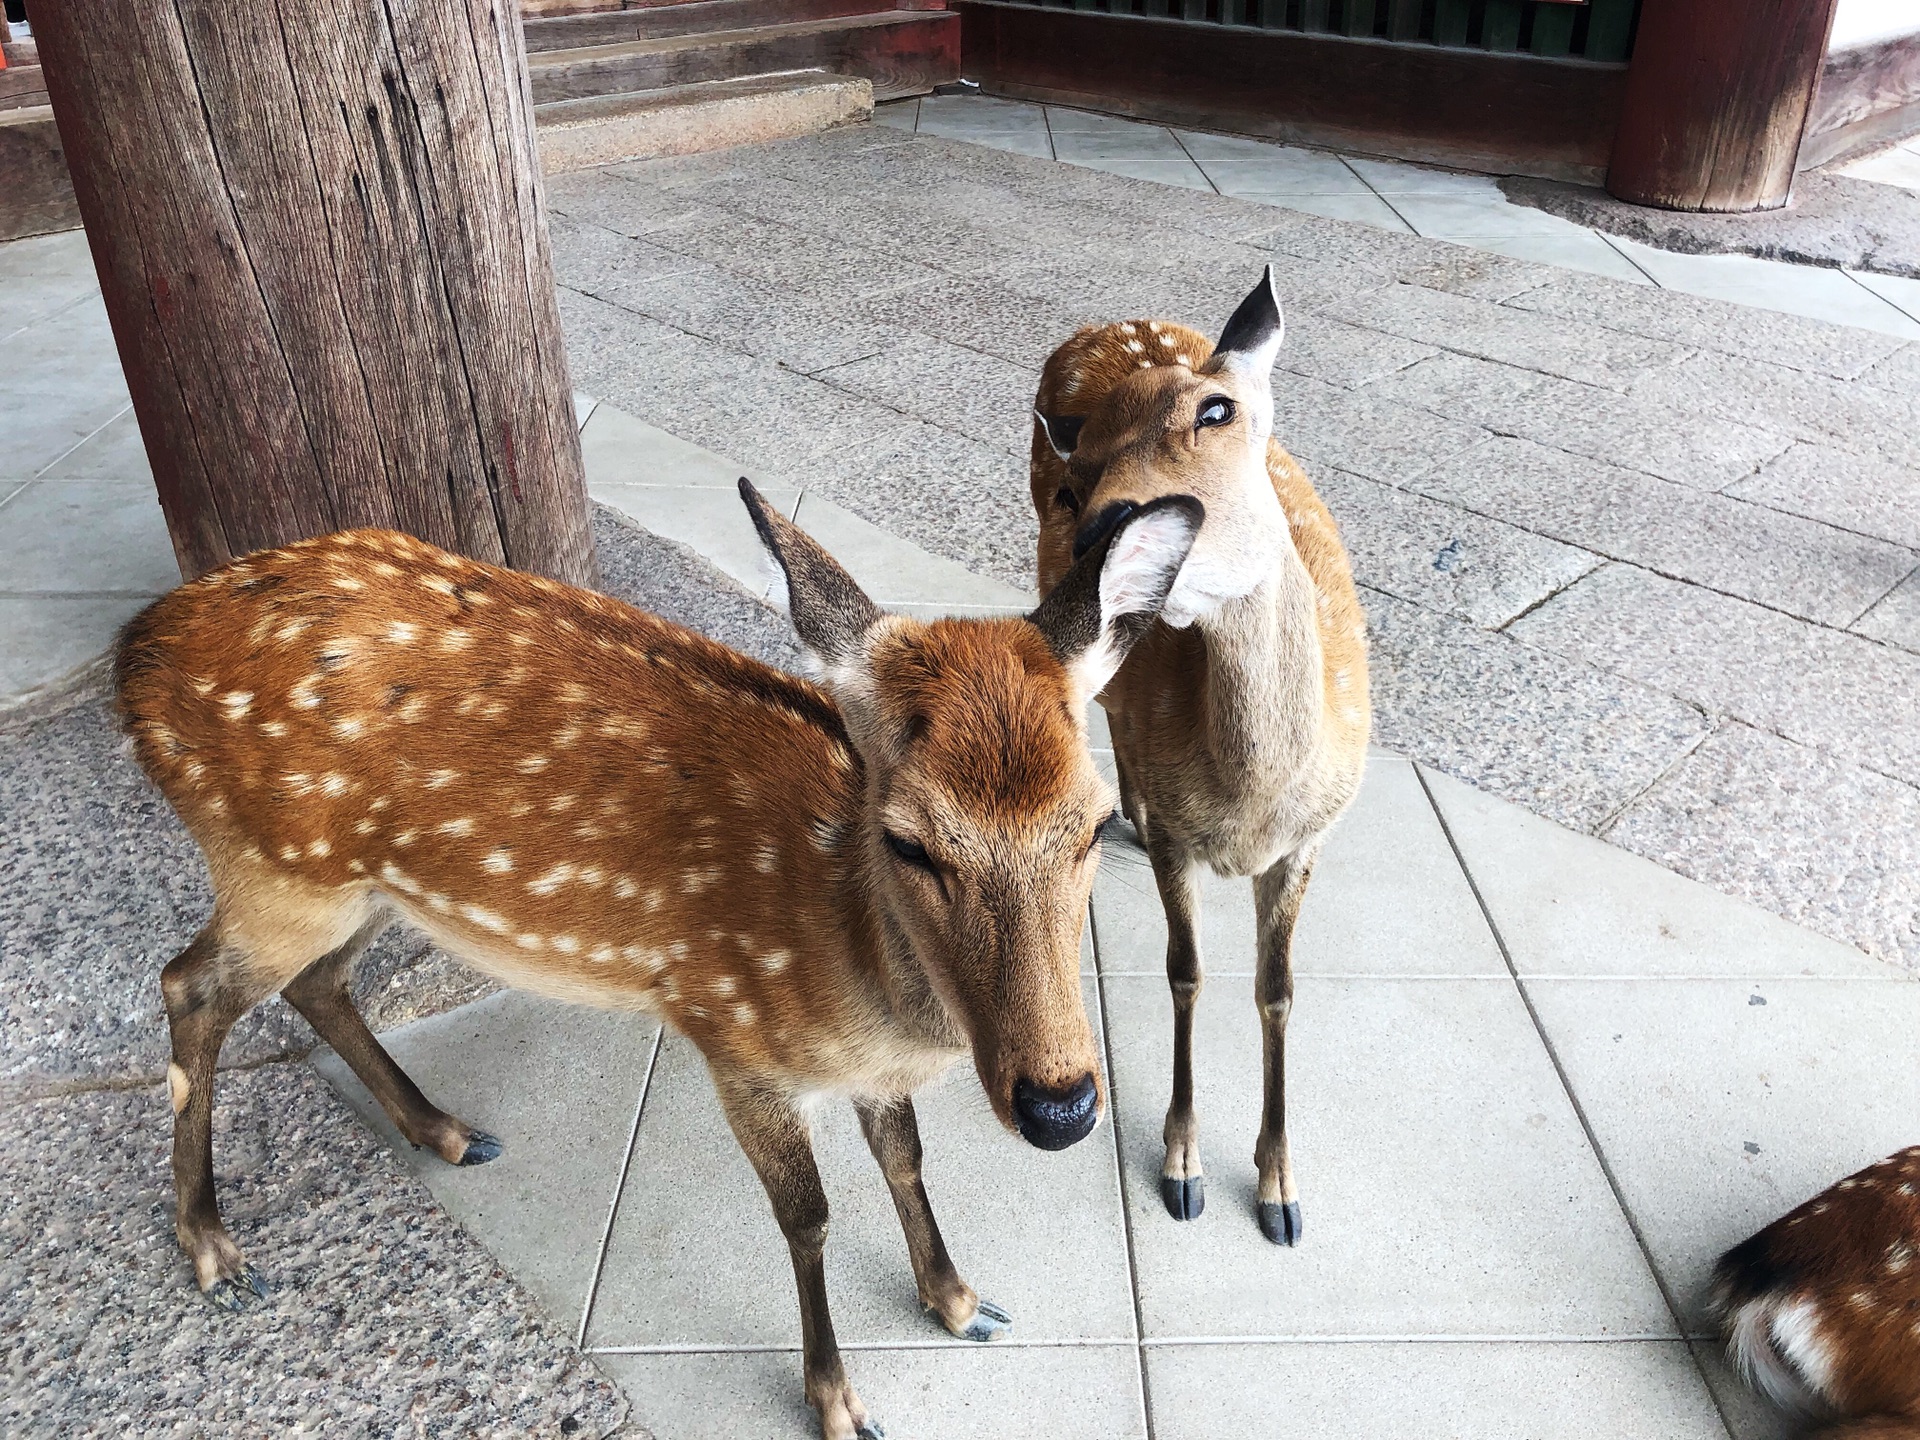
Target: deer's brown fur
pixel 597 805
pixel 1821 1310
pixel 1240 720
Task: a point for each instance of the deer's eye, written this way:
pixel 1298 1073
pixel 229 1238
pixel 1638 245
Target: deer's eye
pixel 1214 410
pixel 911 851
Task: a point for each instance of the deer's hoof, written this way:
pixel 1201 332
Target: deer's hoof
pixel 1280 1223
pixel 870 1431
pixel 1184 1199
pixel 481 1147
pixel 237 1292
pixel 989 1321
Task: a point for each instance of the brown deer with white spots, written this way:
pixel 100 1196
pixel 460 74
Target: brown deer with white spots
pixel 833 892
pixel 1240 721
pixel 1821 1310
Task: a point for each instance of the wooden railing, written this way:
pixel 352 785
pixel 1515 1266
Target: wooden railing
pixel 1598 30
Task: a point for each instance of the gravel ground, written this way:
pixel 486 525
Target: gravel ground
pixel 385 1317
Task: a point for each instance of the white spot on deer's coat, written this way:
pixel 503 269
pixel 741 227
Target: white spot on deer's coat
pixel 334 784
pixel 440 779
pixel 462 826
pixel 529 942
pixel 552 880
pixel 767 859
pixel 566 944
pixel 399 879
pixel 349 727
pixel 486 919
pixel 274 728
pixel 456 640
pixel 625 887
pixel 237 702
pixel 499 862
pixel 406 837
pixel 400 632
pixel 363 827
pixel 743 1014
pixel 601 953
pixel 532 765
pixel 319 849
pixel 774 961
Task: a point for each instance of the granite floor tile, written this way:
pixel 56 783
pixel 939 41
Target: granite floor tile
pixel 1809 290
pixel 710 520
pixel 1093 147
pixel 1473 215
pixel 1038 144
pixel 1629 1391
pixel 696 1260
pixel 559 1086
pixel 894 572
pixel 1583 250
pixel 988 315
pixel 1357 431
pixel 1810 684
pixel 1160 170
pixel 1612 358
pixel 980 396
pixel 1900 291
pixel 1720 1104
pixel 1898 372
pixel 1280 170
pixel 618 449
pixel 1567 740
pixel 1461 386
pixel 1806 568
pixel 792 260
pixel 1366 209
pixel 901 114
pixel 85 536
pixel 981 110
pixel 1405 1098
pixel 1696 322
pixel 1443 557
pixel 1397 177
pixel 1415 917
pixel 1896 618
pixel 1840 488
pixel 1571 906
pixel 1825 843
pixel 51 639
pixel 1341 354
pixel 1006 1391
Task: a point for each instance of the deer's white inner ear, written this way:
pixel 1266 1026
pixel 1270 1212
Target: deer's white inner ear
pixel 1142 564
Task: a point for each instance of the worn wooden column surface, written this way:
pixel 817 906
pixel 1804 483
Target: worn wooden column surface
pixel 321 238
pixel 1716 102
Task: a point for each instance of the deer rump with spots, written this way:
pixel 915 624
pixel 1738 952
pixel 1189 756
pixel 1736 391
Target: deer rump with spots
pixel 1821 1310
pixel 1240 719
pixel 831 891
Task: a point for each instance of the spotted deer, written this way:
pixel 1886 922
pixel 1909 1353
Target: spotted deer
pixel 833 892
pixel 1240 720
pixel 1821 1310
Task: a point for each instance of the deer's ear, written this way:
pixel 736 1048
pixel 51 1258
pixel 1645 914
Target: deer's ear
pixel 830 612
pixel 1062 431
pixel 1128 558
pixel 1250 343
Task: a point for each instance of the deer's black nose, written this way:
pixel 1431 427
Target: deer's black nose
pixel 1055 1119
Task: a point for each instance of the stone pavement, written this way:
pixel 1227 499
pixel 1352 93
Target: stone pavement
pixel 1642 561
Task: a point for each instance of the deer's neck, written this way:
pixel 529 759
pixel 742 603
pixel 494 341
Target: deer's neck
pixel 1265 692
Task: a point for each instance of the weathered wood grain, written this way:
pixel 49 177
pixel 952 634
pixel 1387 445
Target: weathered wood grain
pixel 320 236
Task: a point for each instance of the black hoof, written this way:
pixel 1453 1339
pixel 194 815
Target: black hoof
pixel 988 1321
pixel 1184 1199
pixel 1280 1223
pixel 870 1431
pixel 239 1292
pixel 481 1147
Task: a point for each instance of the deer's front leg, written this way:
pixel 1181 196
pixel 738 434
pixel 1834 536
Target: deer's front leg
pixel 776 1140
pixel 1182 1187
pixel 893 1134
pixel 1277 894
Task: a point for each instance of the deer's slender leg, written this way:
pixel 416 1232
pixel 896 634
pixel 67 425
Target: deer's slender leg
pixel 893 1134
pixel 775 1138
pixel 320 993
pixel 1182 1187
pixel 207 987
pixel 1277 893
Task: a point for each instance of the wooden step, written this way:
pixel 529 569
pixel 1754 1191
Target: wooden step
pixel 902 52
pixel 691 17
pixel 685 119
pixel 22 86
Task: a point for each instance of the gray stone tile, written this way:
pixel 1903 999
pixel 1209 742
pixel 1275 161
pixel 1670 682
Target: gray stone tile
pixel 1646 1391
pixel 1899 372
pixel 1565 739
pixel 986 315
pixel 1415 917
pixel 1016 142
pixel 1571 906
pixel 558 1084
pixel 943 492
pixel 1895 619
pixel 1719 1104
pixel 1363 209
pixel 1095 147
pixel 1357 431
pixel 1399 177
pixel 52 640
pixel 1748 1415
pixel 86 536
pixel 1800 566
pixel 1063 120
pixel 1854 417
pixel 1815 291
pixel 1589 353
pixel 1341 354
pixel 1673 442
pixel 1080 1393
pixel 1462 215
pixel 1852 491
pixel 1821 687
pixel 617 449
pixel 791 259
pixel 1240 167
pixel 113 452
pixel 1180 171
pixel 900 114
pixel 710 521
pixel 1827 844
pixel 1406 1099
pixel 716 1274
pixel 1575 249
pixel 762 414
pixel 1443 557
pixel 894 572
pixel 953 113
pixel 1696 322
pixel 1454 267
pixel 980 396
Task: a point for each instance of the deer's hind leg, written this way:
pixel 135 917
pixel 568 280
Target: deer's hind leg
pixel 1182 1185
pixel 321 994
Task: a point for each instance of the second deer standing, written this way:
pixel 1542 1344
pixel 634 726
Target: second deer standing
pixel 1240 720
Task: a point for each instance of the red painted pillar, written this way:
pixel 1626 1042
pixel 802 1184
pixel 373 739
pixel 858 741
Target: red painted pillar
pixel 1717 98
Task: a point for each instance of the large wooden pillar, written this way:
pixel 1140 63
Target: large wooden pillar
pixel 1717 99
pixel 320 233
